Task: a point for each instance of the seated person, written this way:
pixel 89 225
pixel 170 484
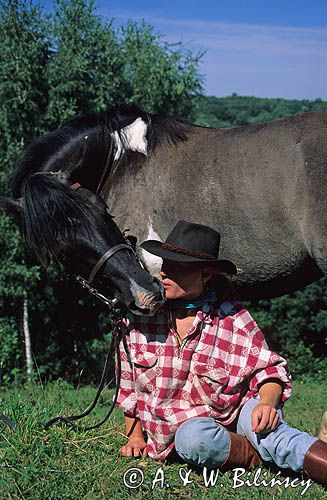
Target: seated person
pixel 199 378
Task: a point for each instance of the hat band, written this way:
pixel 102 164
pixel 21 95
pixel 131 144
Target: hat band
pixel 186 251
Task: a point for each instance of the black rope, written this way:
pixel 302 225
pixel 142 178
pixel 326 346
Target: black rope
pixel 68 420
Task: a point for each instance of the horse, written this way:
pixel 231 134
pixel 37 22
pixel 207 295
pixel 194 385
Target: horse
pixel 262 186
pixel 74 227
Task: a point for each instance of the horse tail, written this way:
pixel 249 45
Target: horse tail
pixel 49 213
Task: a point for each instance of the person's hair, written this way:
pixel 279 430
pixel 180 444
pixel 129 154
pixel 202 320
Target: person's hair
pixel 222 284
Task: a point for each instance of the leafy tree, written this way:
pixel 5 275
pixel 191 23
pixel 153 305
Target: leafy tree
pixel 157 76
pixel 23 96
pixel 85 65
pixel 296 326
pixel 241 110
pixel 23 88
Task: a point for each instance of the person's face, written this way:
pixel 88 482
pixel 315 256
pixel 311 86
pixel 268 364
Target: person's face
pixel 183 280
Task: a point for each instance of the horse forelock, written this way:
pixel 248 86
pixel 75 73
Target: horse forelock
pixel 49 213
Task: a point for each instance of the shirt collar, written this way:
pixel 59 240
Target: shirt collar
pixel 205 314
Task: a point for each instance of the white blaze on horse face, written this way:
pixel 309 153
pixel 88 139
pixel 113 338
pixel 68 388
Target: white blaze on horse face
pixel 132 137
pixel 152 262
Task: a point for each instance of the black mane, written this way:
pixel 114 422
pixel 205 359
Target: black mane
pixel 84 147
pixel 49 215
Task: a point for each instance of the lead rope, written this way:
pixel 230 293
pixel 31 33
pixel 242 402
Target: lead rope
pixel 68 420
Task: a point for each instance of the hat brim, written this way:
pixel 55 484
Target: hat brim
pixel 155 247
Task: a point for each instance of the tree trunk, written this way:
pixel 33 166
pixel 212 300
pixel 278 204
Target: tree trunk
pixel 27 337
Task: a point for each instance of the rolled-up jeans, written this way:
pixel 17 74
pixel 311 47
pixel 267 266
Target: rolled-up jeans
pixel 203 442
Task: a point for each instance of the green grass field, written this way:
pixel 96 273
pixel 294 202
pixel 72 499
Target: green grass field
pixel 65 464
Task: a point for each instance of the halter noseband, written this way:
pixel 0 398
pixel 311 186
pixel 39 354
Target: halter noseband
pixel 87 284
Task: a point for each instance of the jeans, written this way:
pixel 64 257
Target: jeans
pixel 204 442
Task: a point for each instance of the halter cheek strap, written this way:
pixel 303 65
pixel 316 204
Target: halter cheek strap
pixel 105 257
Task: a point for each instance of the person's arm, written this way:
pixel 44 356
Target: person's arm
pixel 270 392
pixel 266 372
pixel 136 444
pixel 265 417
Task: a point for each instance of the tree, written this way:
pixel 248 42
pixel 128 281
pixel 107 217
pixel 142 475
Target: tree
pixel 296 326
pixel 92 66
pixel 23 97
pixel 157 76
pixel 85 66
pixel 23 88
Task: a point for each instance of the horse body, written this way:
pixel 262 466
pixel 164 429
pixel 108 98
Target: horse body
pixel 262 187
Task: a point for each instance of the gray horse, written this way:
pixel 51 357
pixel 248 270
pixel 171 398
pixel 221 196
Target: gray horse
pixel 263 187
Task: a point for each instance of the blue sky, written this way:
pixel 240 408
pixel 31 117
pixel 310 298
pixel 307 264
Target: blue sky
pixel 266 48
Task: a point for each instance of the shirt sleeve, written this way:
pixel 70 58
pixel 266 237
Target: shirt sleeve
pixel 126 396
pixel 262 363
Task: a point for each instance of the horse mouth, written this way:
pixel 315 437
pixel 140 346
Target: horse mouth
pixel 146 304
pixel 147 308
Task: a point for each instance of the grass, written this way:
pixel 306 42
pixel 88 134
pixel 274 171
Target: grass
pixel 62 463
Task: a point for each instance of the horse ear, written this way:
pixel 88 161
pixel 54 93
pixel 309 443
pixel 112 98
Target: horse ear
pixel 10 205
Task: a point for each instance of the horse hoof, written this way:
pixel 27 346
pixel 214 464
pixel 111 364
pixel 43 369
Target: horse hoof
pixel 322 432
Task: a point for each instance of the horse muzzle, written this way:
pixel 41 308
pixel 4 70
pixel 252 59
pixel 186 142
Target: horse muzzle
pixel 144 302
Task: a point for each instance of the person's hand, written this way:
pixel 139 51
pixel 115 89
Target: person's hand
pixel 265 418
pixel 135 447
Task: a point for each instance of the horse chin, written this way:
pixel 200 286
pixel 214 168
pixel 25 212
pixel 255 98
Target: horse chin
pixel 146 311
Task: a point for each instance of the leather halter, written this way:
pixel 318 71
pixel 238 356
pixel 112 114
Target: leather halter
pixel 105 257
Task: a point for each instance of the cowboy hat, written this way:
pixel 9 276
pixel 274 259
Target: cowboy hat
pixel 190 242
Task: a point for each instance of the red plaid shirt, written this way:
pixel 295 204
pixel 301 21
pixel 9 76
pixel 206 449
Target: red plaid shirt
pixel 218 367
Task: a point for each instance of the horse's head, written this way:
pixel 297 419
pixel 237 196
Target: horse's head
pixel 76 229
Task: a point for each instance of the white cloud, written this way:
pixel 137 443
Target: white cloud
pixel 266 53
